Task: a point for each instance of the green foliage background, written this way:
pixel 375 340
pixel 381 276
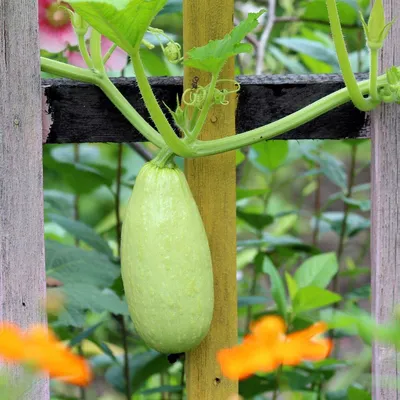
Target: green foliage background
pixel 302 227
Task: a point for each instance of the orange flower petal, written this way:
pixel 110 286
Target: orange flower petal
pixel 312 331
pixel 48 354
pixel 269 329
pixel 246 359
pixel 305 345
pixel 11 343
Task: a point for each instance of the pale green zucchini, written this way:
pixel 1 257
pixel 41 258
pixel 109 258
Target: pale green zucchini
pixel 166 262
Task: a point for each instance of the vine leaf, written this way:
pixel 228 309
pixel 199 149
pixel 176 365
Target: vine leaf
pixel 215 53
pixel 122 21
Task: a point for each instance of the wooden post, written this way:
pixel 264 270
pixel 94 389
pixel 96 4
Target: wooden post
pixel 22 272
pixel 213 184
pixel 385 234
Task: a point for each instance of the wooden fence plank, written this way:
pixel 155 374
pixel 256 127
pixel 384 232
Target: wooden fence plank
pixel 385 234
pixel 81 113
pixel 22 272
pixel 213 184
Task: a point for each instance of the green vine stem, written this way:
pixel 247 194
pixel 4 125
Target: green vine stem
pixel 68 71
pixel 84 51
pixel 199 148
pixel 95 51
pixel 308 113
pixel 104 83
pixel 109 53
pixel 160 120
pixel 373 72
pixel 348 76
pixel 164 158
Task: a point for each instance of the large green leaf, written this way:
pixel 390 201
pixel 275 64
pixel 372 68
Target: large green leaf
pixel 88 297
pixel 123 21
pixel 257 384
pixel 317 271
pixel 292 64
pixel 81 297
pixel 163 389
pixel 215 53
pixel 312 297
pixel 70 264
pixel 142 367
pixel 316 10
pixel 83 232
pixel 278 242
pixel 310 48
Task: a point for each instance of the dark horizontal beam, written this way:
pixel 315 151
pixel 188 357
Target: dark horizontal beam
pixel 80 113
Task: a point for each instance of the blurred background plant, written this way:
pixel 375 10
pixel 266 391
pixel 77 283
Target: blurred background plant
pixel 302 226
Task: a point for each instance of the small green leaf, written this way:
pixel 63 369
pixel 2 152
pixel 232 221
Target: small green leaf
pixel 333 169
pixel 240 157
pixel 355 393
pixel 291 285
pixel 244 301
pixel 124 22
pixel 258 221
pixel 215 53
pixel 272 153
pixel 83 335
pixel 333 220
pixel 277 287
pixel 245 257
pixel 242 193
pixel 312 297
pixel 173 6
pixel 317 271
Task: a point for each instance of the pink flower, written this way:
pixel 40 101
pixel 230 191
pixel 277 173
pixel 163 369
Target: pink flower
pixel 117 61
pixel 55 29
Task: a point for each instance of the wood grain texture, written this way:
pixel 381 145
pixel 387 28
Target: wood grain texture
pixel 385 231
pixel 81 113
pixel 22 272
pixel 213 183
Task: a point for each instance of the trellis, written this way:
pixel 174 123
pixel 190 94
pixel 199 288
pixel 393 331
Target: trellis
pixel 76 113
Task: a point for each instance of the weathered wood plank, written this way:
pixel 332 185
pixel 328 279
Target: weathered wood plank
pixel 213 184
pixel 22 272
pixel 385 231
pixel 81 113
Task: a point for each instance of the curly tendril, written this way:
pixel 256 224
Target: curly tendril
pixel 221 94
pixel 173 50
pixel 196 96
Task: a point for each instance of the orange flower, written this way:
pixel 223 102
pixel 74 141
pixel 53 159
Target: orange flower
pixel 258 352
pixel 306 345
pixel 39 347
pixel 267 347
